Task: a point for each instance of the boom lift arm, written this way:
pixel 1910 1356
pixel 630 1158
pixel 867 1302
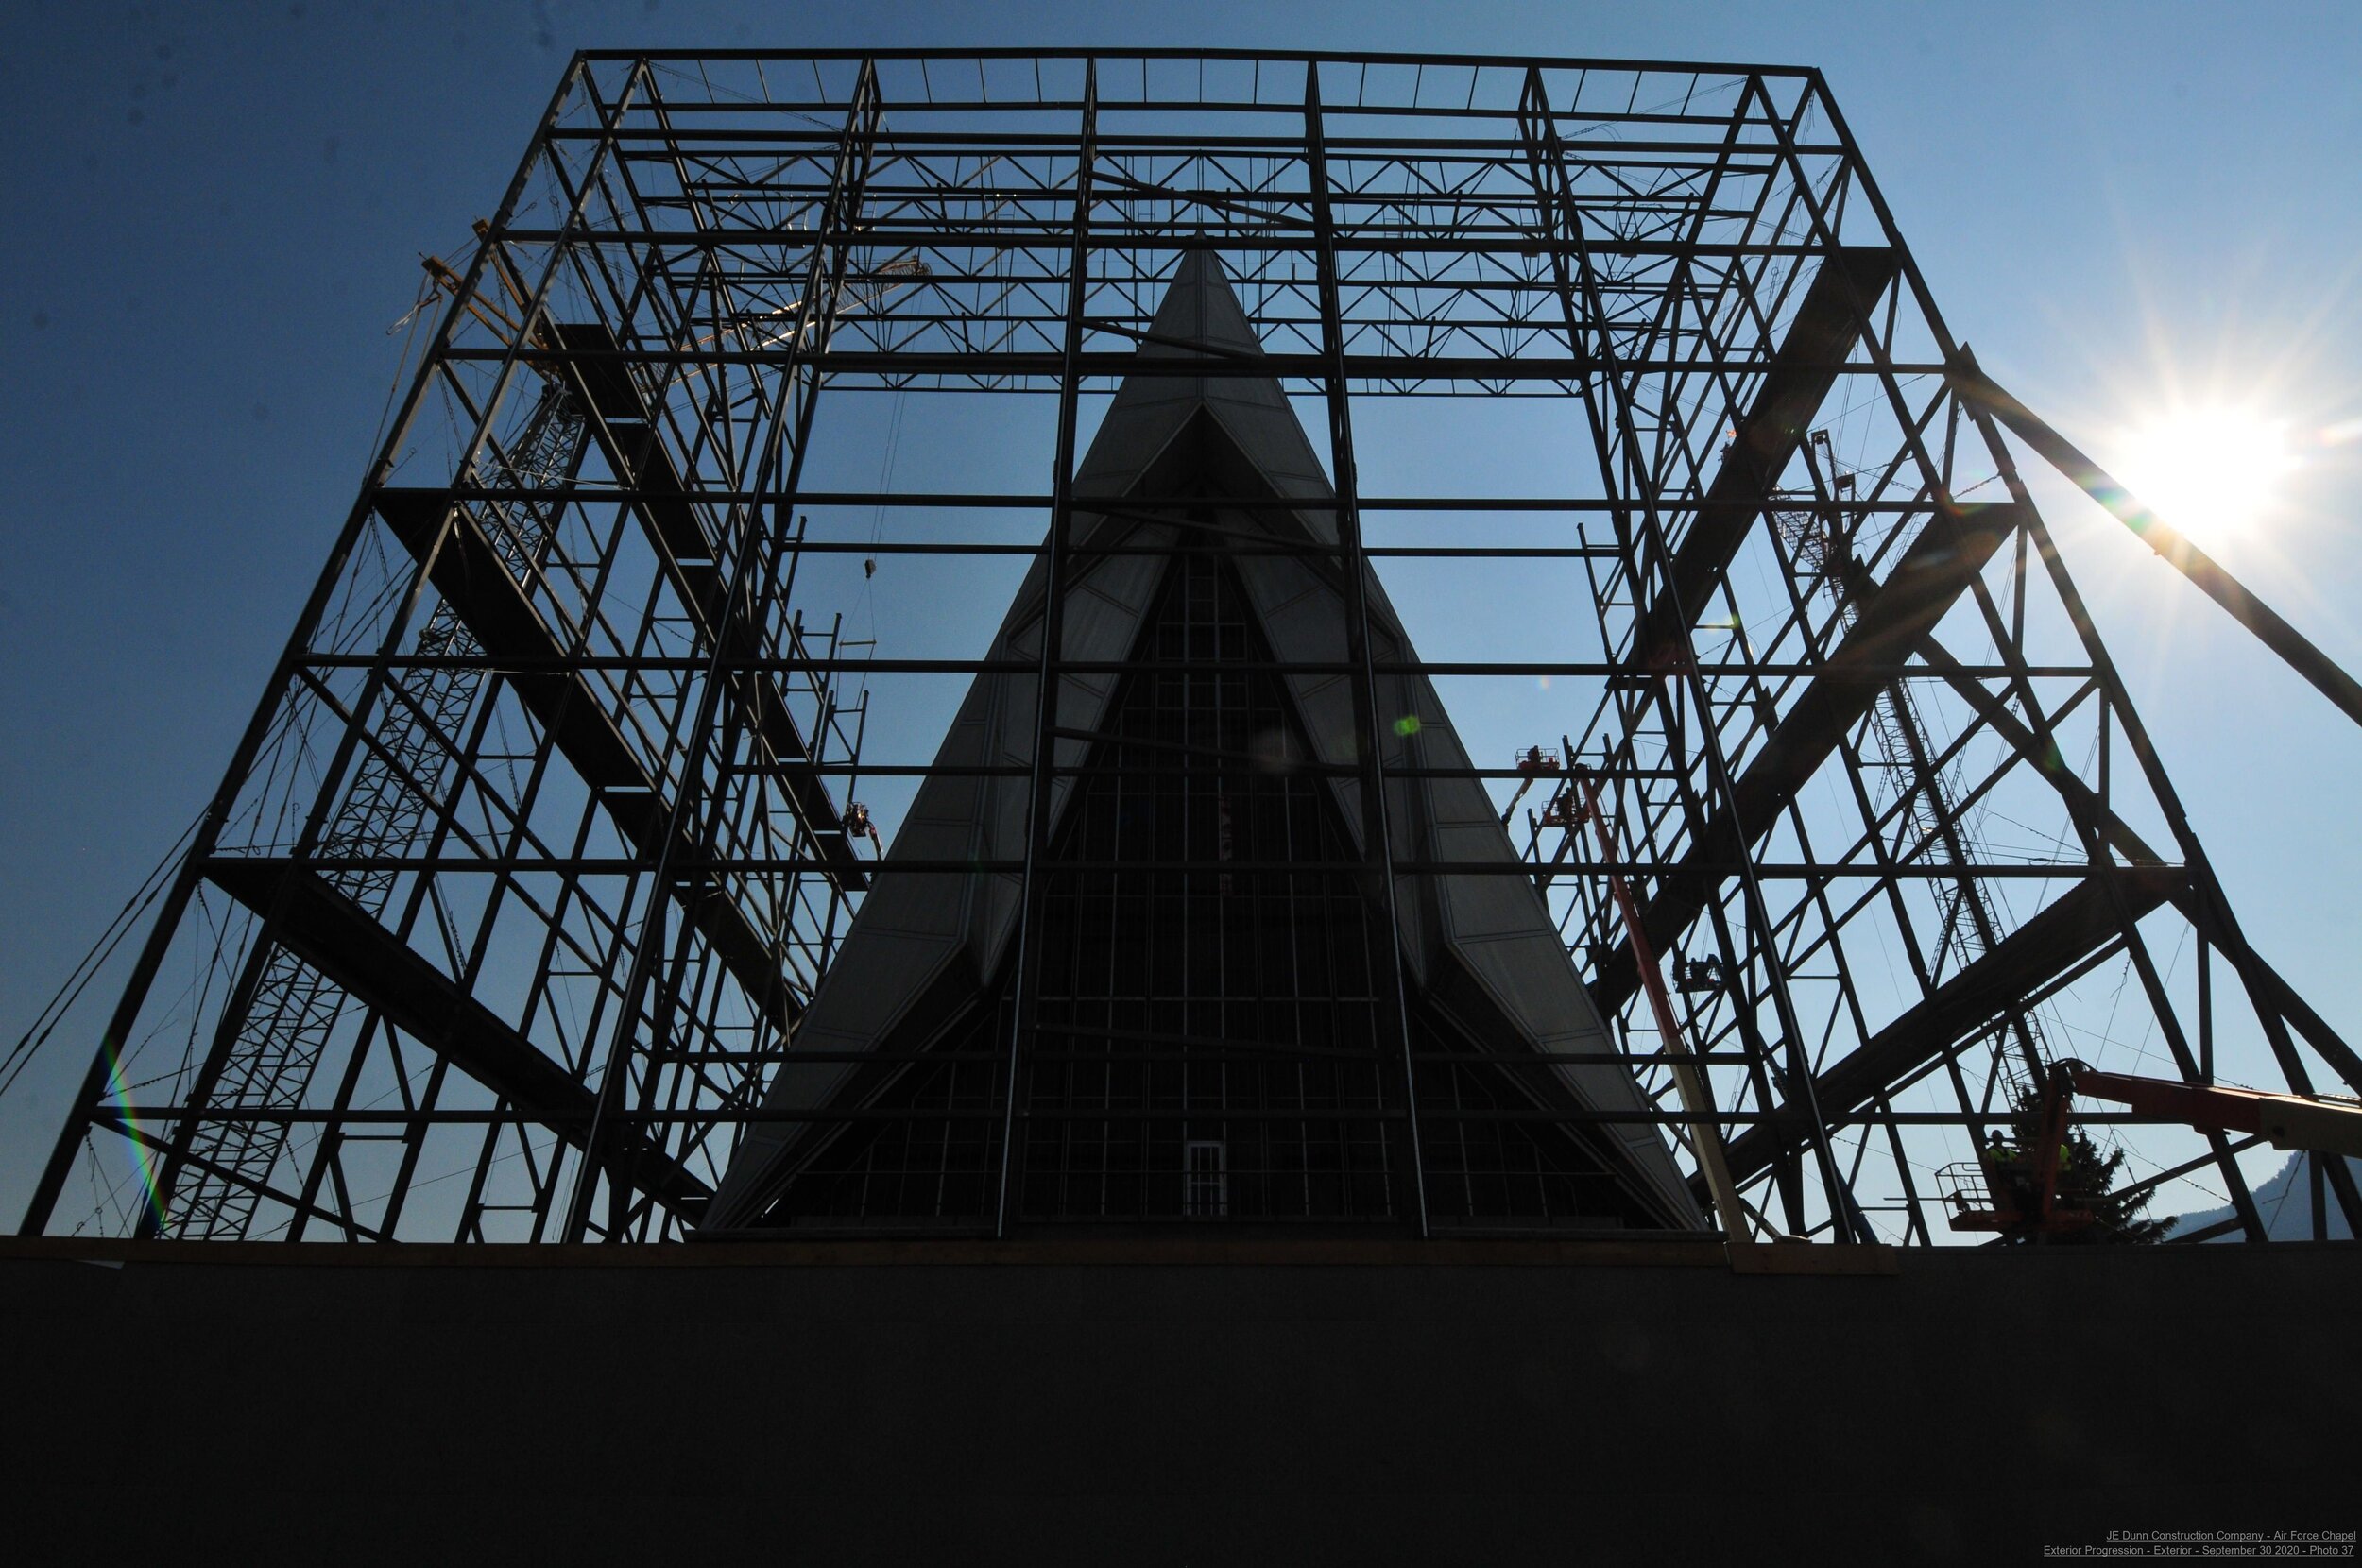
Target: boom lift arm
pixel 2022 1184
pixel 2308 1122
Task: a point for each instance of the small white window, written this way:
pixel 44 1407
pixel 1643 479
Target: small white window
pixel 1205 1179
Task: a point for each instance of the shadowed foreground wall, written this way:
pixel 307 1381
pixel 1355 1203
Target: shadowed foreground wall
pixel 710 1405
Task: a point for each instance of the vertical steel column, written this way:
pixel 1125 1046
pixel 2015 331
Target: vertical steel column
pixel 824 281
pixel 1025 991
pixel 1846 1220
pixel 1378 845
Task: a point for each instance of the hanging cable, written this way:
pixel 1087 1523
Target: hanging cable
pixel 877 533
pixel 885 483
pixel 77 980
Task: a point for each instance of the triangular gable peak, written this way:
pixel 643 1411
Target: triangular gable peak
pixel 925 958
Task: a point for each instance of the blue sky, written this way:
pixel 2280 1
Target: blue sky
pixel 214 215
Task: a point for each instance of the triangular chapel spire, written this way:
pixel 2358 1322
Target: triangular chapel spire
pixel 1201 1046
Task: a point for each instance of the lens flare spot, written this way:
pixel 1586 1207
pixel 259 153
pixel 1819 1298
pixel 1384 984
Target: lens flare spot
pixel 2211 472
pixel 146 1167
pixel 1406 725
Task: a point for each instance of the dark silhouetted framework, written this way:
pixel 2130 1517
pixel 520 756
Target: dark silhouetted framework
pixel 541 841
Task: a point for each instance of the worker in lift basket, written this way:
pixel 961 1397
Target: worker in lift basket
pixel 2004 1157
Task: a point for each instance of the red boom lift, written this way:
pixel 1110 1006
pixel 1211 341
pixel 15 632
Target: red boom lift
pixel 2020 1185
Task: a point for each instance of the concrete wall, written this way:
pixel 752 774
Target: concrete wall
pixel 1146 1404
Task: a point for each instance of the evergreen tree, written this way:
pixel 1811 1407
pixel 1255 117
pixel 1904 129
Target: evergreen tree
pixel 2087 1178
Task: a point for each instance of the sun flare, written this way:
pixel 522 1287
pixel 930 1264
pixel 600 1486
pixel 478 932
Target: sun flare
pixel 2211 474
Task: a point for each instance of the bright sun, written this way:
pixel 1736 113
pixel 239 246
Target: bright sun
pixel 2210 472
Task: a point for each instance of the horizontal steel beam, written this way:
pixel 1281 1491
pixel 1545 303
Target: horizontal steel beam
pixel 714 494
pixel 1891 671
pixel 1892 620
pixel 1819 344
pixel 472 1118
pixel 1117 365
pixel 476 582
pixel 1980 995
pixel 752 864
pixel 628 431
pixel 1052 235
pixel 344 942
pixel 1287 57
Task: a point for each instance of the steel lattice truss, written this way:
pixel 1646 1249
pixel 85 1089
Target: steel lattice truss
pixel 540 842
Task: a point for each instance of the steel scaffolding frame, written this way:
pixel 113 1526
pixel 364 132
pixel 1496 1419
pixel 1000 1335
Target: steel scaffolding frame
pixel 539 837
